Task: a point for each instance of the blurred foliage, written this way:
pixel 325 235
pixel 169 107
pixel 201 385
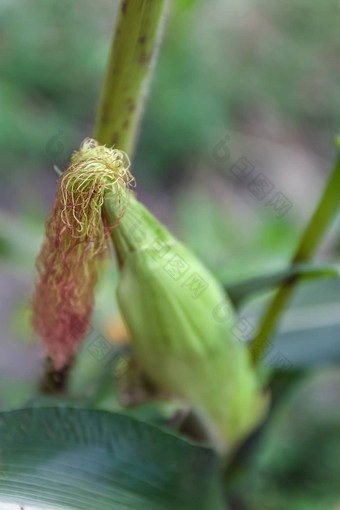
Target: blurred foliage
pixel 53 56
pixel 296 461
pixel 220 68
pixel 237 247
pixel 240 64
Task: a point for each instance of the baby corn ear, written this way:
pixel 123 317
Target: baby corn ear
pixel 75 243
pixel 167 299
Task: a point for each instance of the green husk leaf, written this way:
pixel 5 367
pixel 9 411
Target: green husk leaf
pixel 169 300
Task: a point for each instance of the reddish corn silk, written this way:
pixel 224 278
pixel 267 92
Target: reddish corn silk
pixel 76 242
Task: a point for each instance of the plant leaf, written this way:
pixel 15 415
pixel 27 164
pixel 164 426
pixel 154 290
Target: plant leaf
pixel 70 458
pixel 240 291
pixel 310 328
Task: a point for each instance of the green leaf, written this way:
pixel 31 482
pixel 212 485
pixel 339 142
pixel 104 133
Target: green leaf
pixel 70 458
pixel 310 330
pixel 240 291
pixel 314 342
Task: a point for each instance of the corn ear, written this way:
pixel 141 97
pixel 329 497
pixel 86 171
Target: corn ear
pixel 167 298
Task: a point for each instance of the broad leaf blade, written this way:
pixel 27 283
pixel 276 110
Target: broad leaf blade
pixel 79 459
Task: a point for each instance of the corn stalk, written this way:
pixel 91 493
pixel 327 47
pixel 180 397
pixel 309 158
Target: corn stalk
pixel 133 53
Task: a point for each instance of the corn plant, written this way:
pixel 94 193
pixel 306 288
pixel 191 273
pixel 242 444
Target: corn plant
pixel 210 397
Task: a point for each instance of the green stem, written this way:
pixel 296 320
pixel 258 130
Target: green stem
pixel 308 244
pixel 133 51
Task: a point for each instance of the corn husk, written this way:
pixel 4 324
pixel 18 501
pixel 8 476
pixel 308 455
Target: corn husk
pixel 167 298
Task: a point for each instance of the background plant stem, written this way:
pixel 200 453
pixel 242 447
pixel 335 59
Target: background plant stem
pixel 133 51
pixel 308 244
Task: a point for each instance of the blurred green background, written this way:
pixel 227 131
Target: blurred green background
pixel 250 79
